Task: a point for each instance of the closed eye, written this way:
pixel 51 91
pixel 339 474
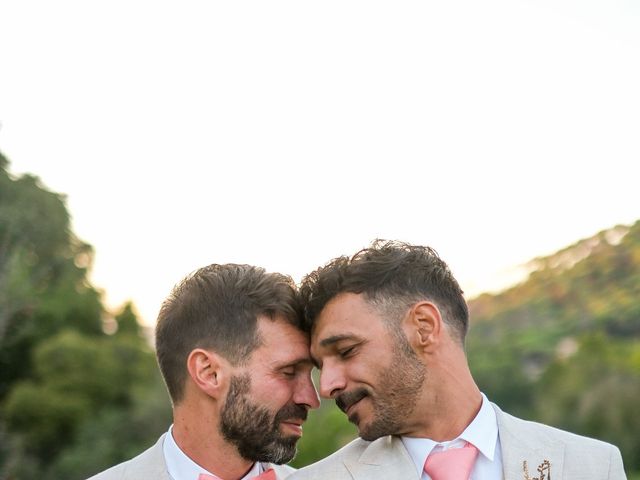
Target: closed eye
pixel 347 352
pixel 295 369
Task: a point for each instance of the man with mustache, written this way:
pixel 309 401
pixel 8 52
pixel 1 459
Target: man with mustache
pixel 387 331
pixel 237 367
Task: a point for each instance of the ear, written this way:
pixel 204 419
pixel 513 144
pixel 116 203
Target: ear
pixel 208 371
pixel 424 325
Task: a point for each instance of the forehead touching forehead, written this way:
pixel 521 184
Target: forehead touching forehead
pixel 281 342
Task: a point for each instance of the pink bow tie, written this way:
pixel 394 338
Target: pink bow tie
pixel 452 464
pixel 268 475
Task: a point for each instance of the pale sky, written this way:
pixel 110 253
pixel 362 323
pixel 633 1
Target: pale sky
pixel 283 134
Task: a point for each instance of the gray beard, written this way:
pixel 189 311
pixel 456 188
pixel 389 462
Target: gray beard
pixel 253 430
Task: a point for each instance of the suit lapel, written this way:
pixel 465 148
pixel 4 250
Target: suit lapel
pixel 384 459
pixel 528 454
pixel 149 464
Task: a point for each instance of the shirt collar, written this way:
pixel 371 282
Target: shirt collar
pixel 482 432
pixel 181 467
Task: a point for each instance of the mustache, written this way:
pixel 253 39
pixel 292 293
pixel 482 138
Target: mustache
pixel 292 411
pixel 346 399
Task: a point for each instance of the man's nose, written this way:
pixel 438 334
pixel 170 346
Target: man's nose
pixel 306 393
pixel 332 380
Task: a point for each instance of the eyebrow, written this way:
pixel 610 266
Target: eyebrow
pixel 332 340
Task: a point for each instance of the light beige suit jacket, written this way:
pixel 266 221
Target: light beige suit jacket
pixel 150 465
pixel 525 448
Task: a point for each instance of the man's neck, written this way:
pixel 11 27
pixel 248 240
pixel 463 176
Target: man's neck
pixel 450 401
pixel 457 413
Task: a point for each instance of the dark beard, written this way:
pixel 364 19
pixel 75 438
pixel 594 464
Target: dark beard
pixel 253 429
pixel 399 385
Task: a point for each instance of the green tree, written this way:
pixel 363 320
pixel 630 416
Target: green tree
pixel 595 392
pixel 74 377
pixel 63 380
pixel 127 321
pixel 43 267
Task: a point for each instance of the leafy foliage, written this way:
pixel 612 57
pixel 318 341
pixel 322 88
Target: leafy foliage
pixel 63 381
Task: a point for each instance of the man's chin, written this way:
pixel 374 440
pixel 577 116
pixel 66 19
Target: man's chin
pixel 363 427
pixel 283 451
pixel 372 431
pixel 369 436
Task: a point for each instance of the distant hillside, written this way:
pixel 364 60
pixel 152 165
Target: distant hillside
pixel 593 284
pixel 563 346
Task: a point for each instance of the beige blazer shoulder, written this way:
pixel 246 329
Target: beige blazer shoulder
pixel 150 465
pixel 525 447
pixel 528 446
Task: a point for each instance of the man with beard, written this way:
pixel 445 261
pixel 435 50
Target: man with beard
pixel 387 331
pixel 237 367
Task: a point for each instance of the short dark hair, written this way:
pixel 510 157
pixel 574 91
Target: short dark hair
pixel 392 275
pixel 217 308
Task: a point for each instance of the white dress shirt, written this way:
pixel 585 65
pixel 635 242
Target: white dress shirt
pixel 482 432
pixel 181 467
